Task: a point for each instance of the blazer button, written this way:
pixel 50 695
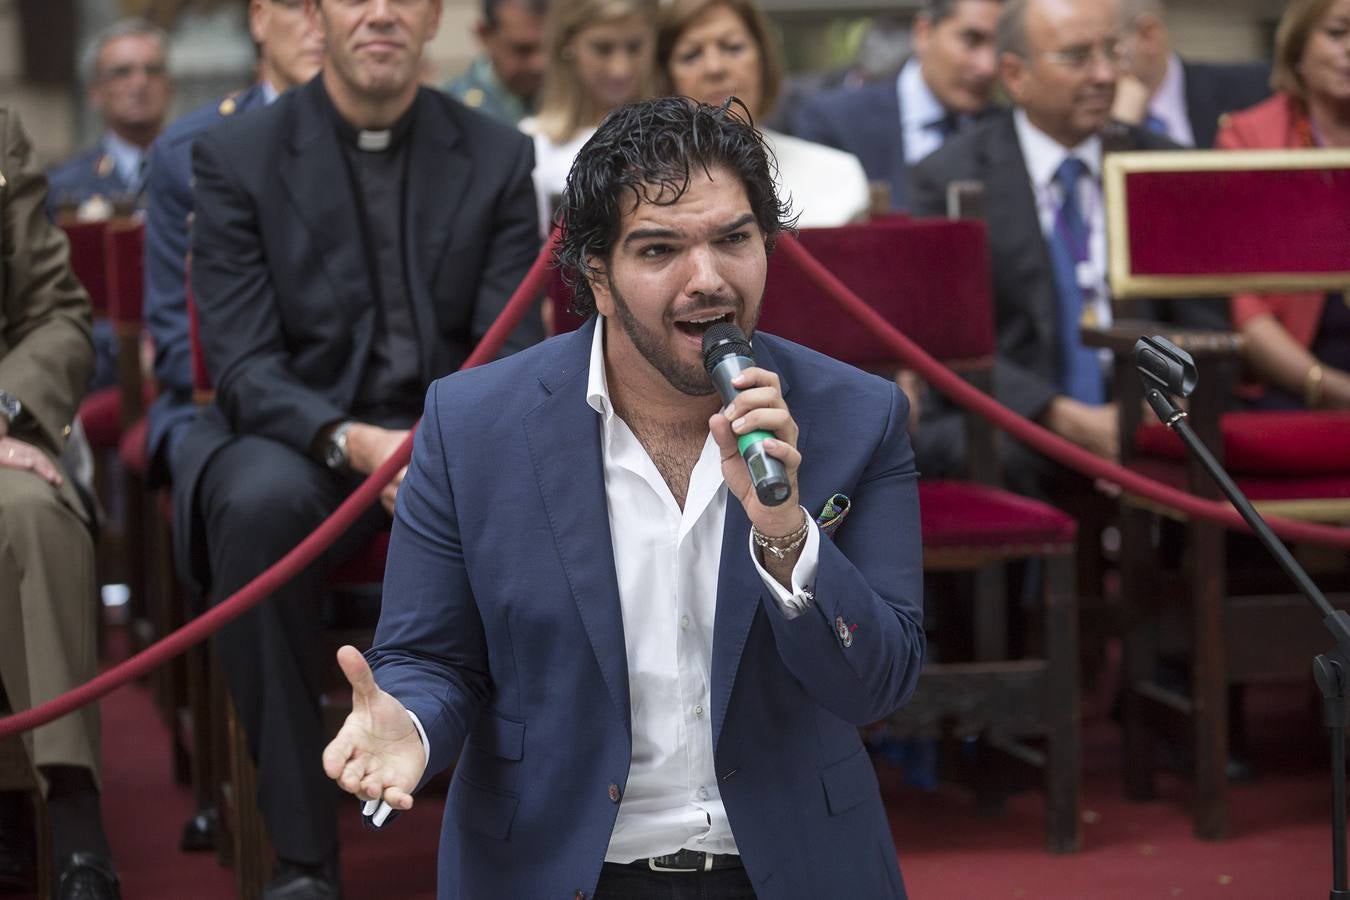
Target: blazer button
pixel 614 792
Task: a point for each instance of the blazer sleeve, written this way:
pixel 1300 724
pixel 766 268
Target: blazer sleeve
pixel 168 205
pixel 512 250
pixel 430 651
pixel 46 353
pixel 811 122
pixel 242 338
pixel 869 582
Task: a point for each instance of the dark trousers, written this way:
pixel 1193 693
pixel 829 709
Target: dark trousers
pixel 634 883
pixel 259 498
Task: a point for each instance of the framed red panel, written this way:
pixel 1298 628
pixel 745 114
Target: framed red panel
pixel 1214 222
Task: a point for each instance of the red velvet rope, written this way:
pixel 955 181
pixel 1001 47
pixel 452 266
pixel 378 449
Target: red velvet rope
pixel 535 283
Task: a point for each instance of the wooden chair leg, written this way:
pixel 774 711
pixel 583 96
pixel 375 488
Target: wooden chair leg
pixel 1138 587
pixel 1063 768
pixel 1209 681
pixel 251 848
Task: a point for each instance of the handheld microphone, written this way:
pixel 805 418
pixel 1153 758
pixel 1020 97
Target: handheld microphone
pixel 726 354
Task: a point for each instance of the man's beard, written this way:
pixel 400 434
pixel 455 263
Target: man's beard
pixel 687 379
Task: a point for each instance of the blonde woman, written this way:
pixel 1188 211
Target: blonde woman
pixel 712 49
pixel 600 56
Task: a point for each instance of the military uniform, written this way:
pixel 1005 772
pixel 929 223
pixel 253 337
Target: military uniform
pixel 168 217
pixel 48 593
pixel 92 186
pixel 479 88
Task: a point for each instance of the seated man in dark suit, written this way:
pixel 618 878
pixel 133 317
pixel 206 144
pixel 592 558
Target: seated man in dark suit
pixel 1041 167
pixel 350 243
pixel 1183 100
pixel 893 123
pixel 290 51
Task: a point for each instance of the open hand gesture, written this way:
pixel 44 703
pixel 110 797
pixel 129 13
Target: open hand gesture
pixel 378 753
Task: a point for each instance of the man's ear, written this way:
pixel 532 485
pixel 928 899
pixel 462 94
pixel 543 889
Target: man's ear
pixel 597 277
pixel 1011 70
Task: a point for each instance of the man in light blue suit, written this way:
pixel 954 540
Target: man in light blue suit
pixel 652 681
pixel 893 123
pixel 290 52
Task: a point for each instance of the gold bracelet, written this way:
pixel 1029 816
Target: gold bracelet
pixel 780 547
pixel 1312 386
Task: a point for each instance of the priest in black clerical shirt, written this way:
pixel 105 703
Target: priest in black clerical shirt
pixel 351 242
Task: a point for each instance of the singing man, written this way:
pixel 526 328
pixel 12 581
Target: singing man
pixel 652 681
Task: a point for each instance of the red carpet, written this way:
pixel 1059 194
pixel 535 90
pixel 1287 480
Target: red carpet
pixel 1280 847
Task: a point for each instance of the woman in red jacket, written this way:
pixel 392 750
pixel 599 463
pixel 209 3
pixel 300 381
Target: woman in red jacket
pixel 1299 344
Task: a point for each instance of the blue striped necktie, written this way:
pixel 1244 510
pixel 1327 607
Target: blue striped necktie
pixel 1080 370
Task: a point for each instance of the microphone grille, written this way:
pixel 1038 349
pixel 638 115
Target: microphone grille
pixel 721 340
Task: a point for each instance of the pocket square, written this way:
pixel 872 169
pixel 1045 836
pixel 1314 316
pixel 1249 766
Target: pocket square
pixel 834 512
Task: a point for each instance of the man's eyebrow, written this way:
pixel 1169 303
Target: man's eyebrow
pixel 643 234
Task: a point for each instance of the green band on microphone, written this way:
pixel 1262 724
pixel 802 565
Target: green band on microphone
pixel 746 440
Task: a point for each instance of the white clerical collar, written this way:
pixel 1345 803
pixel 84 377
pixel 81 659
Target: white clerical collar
pixel 373 141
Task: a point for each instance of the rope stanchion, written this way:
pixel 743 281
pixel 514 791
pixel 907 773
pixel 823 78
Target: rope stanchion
pixel 535 283
pixel 1052 445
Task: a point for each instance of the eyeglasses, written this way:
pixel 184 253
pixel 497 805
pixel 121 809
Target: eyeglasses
pixel 1080 56
pixel 128 71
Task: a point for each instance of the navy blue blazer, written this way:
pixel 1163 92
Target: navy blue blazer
pixel 865 121
pixel 1214 90
pixel 501 629
pixel 168 215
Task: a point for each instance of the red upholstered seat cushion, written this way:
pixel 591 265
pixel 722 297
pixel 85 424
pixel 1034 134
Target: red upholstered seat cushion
pixel 365 566
pixel 968 515
pixel 133 449
pixel 1278 444
pixel 101 416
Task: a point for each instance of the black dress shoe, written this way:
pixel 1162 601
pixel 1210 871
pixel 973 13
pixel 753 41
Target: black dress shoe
pixel 293 882
pixel 18 844
pixel 87 876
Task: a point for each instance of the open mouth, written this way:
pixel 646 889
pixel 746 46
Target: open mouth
pixel 695 326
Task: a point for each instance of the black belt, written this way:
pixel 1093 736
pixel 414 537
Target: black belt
pixel 685 861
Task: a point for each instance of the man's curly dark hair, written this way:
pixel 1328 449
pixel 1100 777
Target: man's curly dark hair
pixel 646 151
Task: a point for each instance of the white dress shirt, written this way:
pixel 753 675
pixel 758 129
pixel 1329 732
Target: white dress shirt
pixel 128 160
pixel 827 187
pixel 1169 104
pixel 920 113
pixel 667 561
pixel 1044 155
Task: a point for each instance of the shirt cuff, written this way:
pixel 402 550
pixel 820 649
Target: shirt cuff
pixel 422 733
pixel 798 600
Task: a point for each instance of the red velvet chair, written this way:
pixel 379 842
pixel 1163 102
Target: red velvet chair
pixel 931 280
pixel 1199 225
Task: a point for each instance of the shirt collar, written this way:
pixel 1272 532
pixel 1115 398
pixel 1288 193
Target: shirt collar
pixel 269 92
pixel 919 106
pixel 364 139
pixel 1169 102
pixel 1044 154
pixel 126 157
pixel 597 386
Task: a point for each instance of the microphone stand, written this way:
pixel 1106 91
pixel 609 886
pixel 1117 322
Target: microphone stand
pixel 1331 670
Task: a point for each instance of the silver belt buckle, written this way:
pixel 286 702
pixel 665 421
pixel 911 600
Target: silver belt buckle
pixel 657 867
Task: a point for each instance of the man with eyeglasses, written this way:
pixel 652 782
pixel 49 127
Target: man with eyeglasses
pixel 892 123
pixel 1175 97
pixel 1040 166
pixel 125 69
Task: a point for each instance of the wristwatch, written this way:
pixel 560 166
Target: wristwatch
pixel 10 407
pixel 335 454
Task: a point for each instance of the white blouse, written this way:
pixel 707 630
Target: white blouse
pixel 826 186
pixel 552 164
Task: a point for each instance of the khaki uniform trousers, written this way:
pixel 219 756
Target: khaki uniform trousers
pixel 48 613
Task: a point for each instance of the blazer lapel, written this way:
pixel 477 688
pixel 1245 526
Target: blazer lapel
pixel 316 177
pixel 739 587
pixel 563 434
pixel 1012 217
pixel 438 175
